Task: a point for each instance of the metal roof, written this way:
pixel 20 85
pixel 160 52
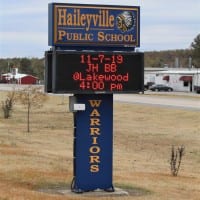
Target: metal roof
pixel 16 76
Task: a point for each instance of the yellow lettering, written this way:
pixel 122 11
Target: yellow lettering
pixel 95 19
pixel 94 131
pixel 94 168
pixel 115 37
pixel 95 103
pixel 95 113
pixel 95 121
pixel 94 140
pixel 100 36
pixel 82 20
pixel 62 16
pixel 94 159
pixel 102 19
pixel 95 149
pixel 76 36
pixel 90 37
pixel 89 17
pixel 70 19
pixel 111 21
pixel 61 34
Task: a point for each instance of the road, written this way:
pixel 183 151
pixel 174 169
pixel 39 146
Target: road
pixel 183 101
pixel 167 99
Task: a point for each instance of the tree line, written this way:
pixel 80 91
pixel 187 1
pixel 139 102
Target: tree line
pixel 171 58
pixel 175 58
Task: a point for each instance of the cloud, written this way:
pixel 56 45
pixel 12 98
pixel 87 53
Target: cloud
pixel 164 37
pixel 23 44
pixel 29 37
pixel 171 24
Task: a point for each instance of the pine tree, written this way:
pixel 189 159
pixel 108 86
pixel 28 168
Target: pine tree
pixel 196 51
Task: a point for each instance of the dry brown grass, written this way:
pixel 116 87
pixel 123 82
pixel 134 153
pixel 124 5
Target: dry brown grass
pixel 143 137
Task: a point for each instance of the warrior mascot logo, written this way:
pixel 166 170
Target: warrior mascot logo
pixel 126 21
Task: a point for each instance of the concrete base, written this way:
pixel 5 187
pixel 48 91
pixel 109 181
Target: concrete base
pixel 117 192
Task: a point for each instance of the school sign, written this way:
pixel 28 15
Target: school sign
pixel 93 57
pixel 92 25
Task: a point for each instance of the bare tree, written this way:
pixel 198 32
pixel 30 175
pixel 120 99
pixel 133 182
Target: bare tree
pixel 31 97
pixel 176 158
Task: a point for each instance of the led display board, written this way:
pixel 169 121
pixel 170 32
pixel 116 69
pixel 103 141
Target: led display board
pixel 48 71
pixel 95 72
pixel 92 25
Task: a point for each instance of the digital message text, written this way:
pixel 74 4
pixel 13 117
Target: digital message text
pixel 90 72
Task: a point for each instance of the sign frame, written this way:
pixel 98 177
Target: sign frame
pixel 121 25
pixel 65 67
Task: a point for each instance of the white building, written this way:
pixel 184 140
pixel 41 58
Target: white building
pixel 18 78
pixel 196 82
pixel 180 79
pixel 150 75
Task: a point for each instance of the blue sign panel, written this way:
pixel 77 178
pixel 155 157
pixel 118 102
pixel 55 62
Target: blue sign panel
pixel 93 143
pixel 94 25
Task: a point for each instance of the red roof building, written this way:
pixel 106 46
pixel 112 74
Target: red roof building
pixel 19 78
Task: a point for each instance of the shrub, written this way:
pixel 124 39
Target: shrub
pixel 176 158
pixel 7 105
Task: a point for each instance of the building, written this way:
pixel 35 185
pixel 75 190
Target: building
pixel 196 82
pixel 18 78
pixel 180 79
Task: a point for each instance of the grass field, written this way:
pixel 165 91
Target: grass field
pixel 143 137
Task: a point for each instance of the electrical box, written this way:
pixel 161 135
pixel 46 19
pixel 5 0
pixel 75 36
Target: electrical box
pixel 74 106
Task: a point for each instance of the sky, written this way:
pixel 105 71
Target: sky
pixel 164 24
